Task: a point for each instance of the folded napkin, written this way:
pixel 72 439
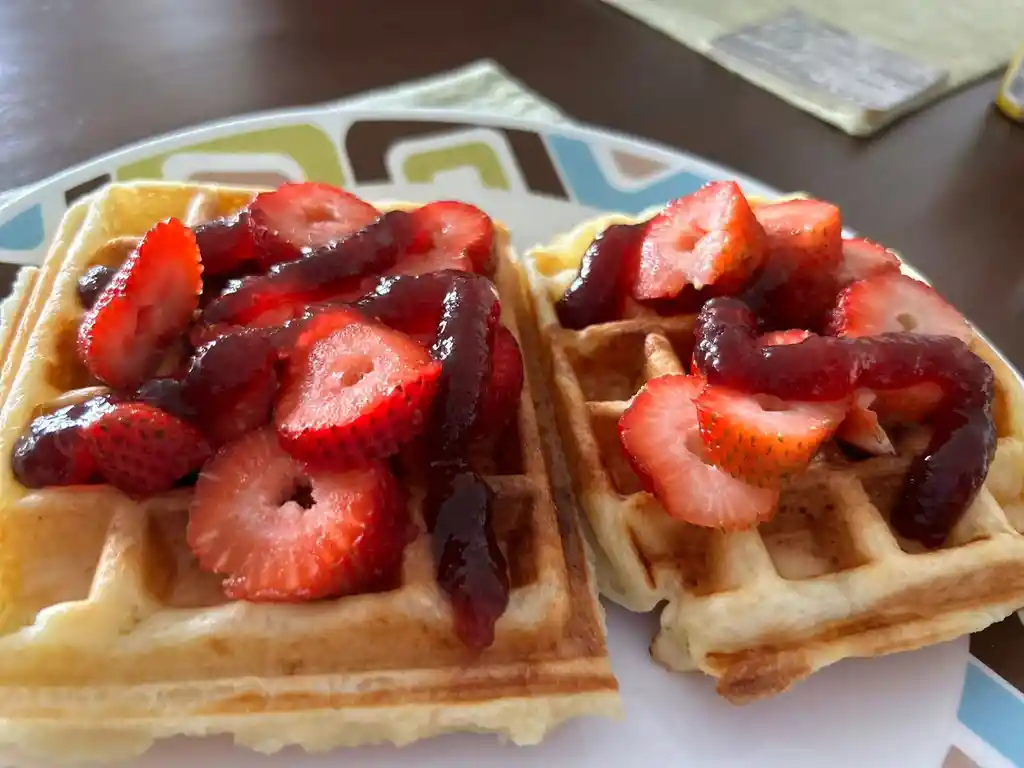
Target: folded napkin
pixel 857 64
pixel 481 87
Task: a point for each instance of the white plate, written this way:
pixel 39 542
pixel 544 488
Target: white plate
pixel 911 710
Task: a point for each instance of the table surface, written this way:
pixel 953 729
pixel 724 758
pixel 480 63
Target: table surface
pixel 944 186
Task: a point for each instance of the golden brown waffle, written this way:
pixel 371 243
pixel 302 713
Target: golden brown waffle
pixel 826 578
pixel 111 637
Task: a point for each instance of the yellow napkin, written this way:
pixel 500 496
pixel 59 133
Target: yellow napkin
pixel 911 51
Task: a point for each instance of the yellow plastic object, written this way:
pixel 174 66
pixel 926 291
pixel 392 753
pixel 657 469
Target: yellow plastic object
pixel 1011 91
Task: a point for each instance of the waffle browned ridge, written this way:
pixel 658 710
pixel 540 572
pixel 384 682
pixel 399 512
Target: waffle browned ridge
pixel 826 578
pixel 111 636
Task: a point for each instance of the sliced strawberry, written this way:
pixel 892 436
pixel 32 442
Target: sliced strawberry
pixel 863 259
pixel 661 437
pixel 330 272
pixel 797 285
pixel 411 265
pixel 225 246
pixel 687 302
pixel 894 303
pixel 297 218
pixel 760 438
pixel 434 260
pixel 862 429
pixel 449 229
pixel 143 450
pixel 910 405
pixel 145 308
pixel 500 399
pixel 355 390
pixel 710 237
pixel 811 227
pixel 282 531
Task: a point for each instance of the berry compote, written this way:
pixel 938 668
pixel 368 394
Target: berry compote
pixel 941 482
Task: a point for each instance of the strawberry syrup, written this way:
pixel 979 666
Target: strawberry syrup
pixel 944 480
pixel 470 566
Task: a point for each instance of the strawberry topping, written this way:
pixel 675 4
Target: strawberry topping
pixel 760 438
pixel 54 449
pixel 605 280
pixel 295 219
pixel 143 450
pixel 282 531
pixel 225 246
pixel 893 303
pixel 708 237
pixel 941 482
pixel 92 284
pixel 863 259
pixel 451 233
pixel 333 270
pixel 145 308
pixel 412 304
pixel 661 435
pixel 499 401
pixel 434 260
pixel 165 393
pixel 231 384
pixel 355 391
pixel 862 429
pixel 907 405
pixel 780 338
pixel 797 285
pixel 471 568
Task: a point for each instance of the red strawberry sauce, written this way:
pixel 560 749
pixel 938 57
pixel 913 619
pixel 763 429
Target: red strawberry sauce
pixel 944 480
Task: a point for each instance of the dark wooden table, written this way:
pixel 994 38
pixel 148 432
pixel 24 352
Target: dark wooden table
pixel 946 187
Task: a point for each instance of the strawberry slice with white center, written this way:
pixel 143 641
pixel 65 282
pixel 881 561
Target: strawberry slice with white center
pixel 144 309
pixel 355 391
pixel 895 303
pixel 284 532
pixel 710 237
pixel 449 235
pixel 862 429
pixel 295 219
pixel 863 259
pixel 661 437
pixel 760 438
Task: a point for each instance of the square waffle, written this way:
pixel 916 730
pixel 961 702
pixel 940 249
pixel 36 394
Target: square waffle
pixel 111 636
pixel 827 578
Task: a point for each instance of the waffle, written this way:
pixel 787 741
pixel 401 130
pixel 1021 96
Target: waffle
pixel 827 578
pixel 111 636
